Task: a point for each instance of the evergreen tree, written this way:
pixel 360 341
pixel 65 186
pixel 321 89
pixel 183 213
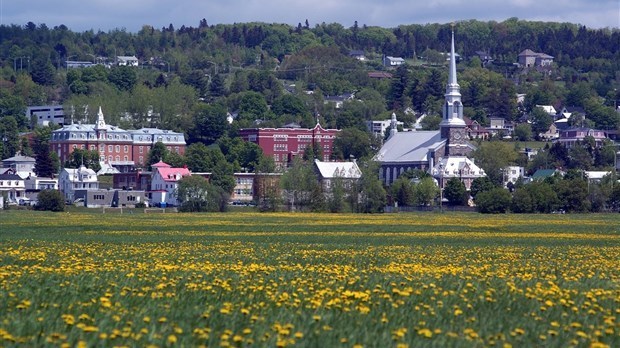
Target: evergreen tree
pixel 455 192
pixel 46 164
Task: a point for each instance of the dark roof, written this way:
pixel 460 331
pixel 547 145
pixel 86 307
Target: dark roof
pixel 379 75
pixel 543 173
pixel 356 53
pixel 7 176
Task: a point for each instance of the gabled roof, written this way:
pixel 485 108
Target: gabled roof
pixel 11 176
pixel 379 75
pixel 330 170
pixel 161 164
pixel 19 158
pixel 169 173
pixel 410 146
pixel 456 166
pixel 543 173
pixel 528 52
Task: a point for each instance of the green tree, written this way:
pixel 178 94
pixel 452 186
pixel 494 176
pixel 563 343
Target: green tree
pixel 87 158
pixel 210 123
pixel 455 192
pixel 403 192
pixel 573 194
pixel 267 189
pixel 47 163
pixel 544 198
pixel 25 148
pixel 123 77
pixel 336 201
pixel 9 134
pixel 157 153
pixel 426 191
pixel 494 156
pixel 195 194
pixel 481 184
pixel 222 176
pixel 522 202
pixel 540 121
pixel 495 201
pixel 50 200
pixel 353 143
pixel 523 132
pixel 298 183
pixel 43 72
pixel 430 122
pixel 372 197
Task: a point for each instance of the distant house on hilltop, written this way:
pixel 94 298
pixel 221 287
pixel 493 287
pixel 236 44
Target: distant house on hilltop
pixel 529 58
pixel 392 61
pixel 127 60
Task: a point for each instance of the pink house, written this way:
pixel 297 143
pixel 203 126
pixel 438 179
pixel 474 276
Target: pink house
pixel 164 183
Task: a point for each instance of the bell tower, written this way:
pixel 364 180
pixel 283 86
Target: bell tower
pixel 452 124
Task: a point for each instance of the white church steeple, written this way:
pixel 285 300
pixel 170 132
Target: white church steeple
pixel 100 121
pixel 453 107
pixel 393 125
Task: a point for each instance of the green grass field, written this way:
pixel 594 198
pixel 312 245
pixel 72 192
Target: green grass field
pixel 309 280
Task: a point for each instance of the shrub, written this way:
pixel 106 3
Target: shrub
pixel 494 201
pixel 50 200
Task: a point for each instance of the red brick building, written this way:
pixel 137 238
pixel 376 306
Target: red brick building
pixel 283 144
pixel 117 147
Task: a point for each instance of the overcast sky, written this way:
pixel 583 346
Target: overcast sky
pixel 81 15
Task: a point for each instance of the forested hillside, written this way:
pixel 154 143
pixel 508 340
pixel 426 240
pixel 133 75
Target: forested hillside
pixel 190 77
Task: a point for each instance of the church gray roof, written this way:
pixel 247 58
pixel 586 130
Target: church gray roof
pixel 410 146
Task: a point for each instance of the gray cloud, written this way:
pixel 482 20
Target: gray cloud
pixel 132 14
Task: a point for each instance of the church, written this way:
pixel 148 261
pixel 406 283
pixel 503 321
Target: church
pixel 442 153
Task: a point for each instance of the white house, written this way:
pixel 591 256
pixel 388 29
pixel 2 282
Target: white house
pixel 330 171
pixel 127 60
pixel 13 186
pixel 35 184
pixel 459 167
pixel 71 179
pixel 20 165
pixel 164 183
pixel 511 174
pixel 393 61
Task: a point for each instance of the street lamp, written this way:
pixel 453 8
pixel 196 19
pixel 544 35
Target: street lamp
pixel 441 187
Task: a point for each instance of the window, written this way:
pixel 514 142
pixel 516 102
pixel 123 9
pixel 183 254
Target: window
pixel 118 158
pixel 110 148
pixel 74 147
pixel 125 148
pixel 118 148
pixel 82 146
pixel 92 147
pixel 110 158
pixel 102 148
pixel 141 159
pixel 125 158
pixel 176 149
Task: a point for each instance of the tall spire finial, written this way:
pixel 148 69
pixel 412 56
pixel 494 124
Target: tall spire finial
pixel 100 121
pixel 452 77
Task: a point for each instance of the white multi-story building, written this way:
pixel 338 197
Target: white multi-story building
pixel 81 178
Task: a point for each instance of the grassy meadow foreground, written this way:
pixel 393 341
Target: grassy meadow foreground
pixel 308 280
